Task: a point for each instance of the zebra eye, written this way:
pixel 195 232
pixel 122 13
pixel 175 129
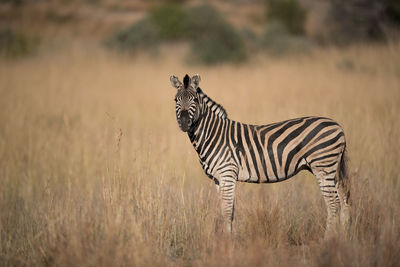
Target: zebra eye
pixel 196 100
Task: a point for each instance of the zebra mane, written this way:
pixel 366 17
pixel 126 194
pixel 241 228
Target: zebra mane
pixel 214 106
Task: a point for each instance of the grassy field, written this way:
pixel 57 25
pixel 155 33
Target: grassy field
pixel 95 171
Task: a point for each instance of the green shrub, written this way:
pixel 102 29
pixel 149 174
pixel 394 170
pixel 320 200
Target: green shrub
pixel 277 41
pixel 142 34
pixel 13 45
pixel 203 20
pixel 212 38
pixel 289 13
pixel 170 21
pixel 218 48
pixel 164 23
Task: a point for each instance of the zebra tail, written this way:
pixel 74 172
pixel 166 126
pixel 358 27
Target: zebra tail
pixel 344 181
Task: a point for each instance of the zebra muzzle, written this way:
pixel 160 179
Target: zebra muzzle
pixel 184 121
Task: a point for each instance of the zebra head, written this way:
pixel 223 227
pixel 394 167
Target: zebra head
pixel 187 103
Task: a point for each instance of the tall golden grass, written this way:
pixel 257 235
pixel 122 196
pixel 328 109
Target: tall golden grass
pixel 95 172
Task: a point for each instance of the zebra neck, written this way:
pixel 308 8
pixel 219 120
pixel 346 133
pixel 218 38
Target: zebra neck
pixel 205 129
pixel 210 116
pixel 210 105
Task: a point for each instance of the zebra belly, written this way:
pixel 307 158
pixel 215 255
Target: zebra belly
pixel 249 175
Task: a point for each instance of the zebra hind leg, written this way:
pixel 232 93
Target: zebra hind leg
pixel 327 183
pixel 344 211
pixel 344 194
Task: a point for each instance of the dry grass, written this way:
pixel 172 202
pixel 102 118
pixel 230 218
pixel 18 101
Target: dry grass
pixel 95 172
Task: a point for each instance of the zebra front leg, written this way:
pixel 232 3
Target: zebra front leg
pixel 227 193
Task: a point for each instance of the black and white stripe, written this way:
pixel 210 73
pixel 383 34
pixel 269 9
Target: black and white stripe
pixel 231 151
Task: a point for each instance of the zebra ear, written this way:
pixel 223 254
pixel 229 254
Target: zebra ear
pixel 196 81
pixel 175 82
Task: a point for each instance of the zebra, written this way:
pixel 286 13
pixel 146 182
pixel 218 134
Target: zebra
pixel 231 151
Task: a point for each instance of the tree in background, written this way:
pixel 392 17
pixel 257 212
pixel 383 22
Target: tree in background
pixel 289 13
pixel 392 10
pixel 351 21
pixel 212 38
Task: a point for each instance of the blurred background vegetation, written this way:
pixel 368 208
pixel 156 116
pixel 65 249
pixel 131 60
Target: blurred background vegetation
pixel 95 172
pixel 214 31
